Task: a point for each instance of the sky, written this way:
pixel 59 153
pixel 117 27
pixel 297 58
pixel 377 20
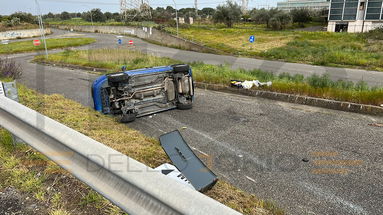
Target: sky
pixel 57 6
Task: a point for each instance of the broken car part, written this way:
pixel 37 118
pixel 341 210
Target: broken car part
pixel 200 176
pixel 172 172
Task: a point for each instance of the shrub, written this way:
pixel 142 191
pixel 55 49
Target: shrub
pixel 9 69
pixel 376 34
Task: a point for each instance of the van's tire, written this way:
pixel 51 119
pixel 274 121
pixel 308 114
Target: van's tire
pixel 118 77
pixel 181 68
pixel 126 118
pixel 185 106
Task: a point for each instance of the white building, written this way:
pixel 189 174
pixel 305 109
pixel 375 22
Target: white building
pixel 309 4
pixel 355 15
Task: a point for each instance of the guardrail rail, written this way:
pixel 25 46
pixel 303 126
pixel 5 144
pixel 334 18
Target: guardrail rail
pixel 131 185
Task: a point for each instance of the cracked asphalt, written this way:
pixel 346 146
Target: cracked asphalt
pixel 307 160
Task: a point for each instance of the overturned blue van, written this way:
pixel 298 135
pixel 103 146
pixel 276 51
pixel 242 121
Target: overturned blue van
pixel 136 93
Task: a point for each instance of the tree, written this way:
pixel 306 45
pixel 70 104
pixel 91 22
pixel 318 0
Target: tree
pixel 279 20
pixel 229 14
pixel 49 15
pixel 261 16
pixel 117 17
pixel 170 9
pixel 301 16
pixel 284 18
pixel 64 16
pixel 94 15
pixel 24 17
pixel 108 15
pixel 207 12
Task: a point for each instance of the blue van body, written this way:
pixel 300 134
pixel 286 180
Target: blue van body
pixel 145 91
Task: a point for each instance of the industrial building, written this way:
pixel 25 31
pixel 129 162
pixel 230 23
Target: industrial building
pixel 355 15
pixel 309 4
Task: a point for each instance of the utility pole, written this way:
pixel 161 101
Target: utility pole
pixel 244 7
pixel 41 26
pixel 196 7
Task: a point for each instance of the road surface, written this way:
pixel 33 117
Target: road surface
pixel 308 160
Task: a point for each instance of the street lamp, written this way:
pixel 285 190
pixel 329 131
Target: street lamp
pixel 175 5
pixel 41 25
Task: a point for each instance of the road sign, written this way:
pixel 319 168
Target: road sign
pixel 119 41
pixel 36 42
pixel 252 39
pixel 131 42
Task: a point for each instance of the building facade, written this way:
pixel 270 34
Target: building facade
pixel 355 15
pixel 309 4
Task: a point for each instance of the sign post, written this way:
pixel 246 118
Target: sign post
pixel 9 90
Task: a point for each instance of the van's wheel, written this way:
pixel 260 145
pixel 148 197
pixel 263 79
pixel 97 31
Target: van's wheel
pixel 186 106
pixel 181 68
pixel 126 118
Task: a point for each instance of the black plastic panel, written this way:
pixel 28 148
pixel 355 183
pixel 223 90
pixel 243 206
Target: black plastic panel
pixel 201 177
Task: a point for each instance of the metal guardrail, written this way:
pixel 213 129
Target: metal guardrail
pixel 131 185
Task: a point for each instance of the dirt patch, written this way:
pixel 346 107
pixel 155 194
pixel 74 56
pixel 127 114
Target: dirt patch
pixel 13 202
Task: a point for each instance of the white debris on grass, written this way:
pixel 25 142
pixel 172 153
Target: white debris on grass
pixel 254 83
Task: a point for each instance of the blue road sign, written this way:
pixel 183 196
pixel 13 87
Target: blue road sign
pixel 119 41
pixel 252 39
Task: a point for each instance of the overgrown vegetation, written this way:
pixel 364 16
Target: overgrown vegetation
pixel 318 48
pixel 9 69
pixel 316 86
pixel 18 20
pixel 27 46
pixel 51 192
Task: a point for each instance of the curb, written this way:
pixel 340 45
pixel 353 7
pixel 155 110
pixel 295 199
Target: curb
pixel 71 66
pixel 296 99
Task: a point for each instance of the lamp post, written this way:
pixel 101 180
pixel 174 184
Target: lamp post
pixel 175 5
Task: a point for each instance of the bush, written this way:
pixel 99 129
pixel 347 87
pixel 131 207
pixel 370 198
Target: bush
pixel 376 34
pixel 9 69
pixel 24 17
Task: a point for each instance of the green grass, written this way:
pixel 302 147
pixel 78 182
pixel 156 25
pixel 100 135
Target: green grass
pixel 315 86
pixel 27 46
pixel 111 59
pixel 318 48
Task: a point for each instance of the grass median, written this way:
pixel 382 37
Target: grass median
pixel 27 46
pixel 318 48
pixel 314 86
pixel 107 130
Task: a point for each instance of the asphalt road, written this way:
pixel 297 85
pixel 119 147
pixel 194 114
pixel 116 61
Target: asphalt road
pixel 259 145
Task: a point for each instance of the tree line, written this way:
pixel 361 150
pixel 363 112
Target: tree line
pixel 228 13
